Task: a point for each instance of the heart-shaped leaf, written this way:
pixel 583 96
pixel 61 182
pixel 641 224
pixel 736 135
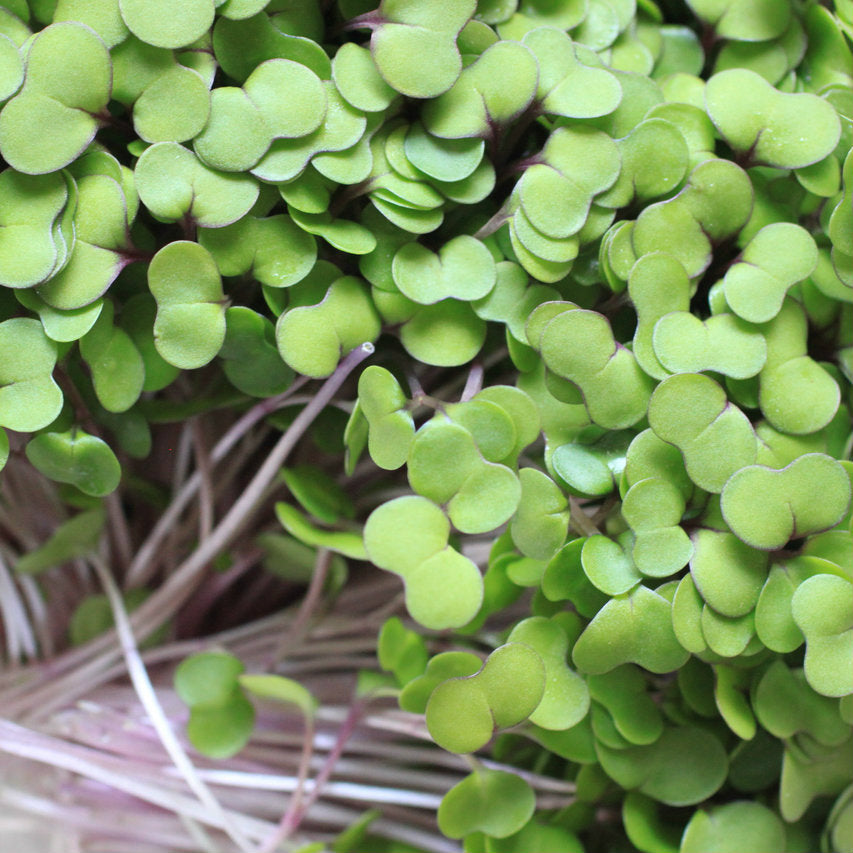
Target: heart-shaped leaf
pixel 78 458
pixel 777 257
pixel 504 692
pixel 404 31
pixel 313 337
pixel 732 827
pixel 29 397
pixel 160 24
pixel 716 439
pixel 498 86
pixel 723 344
pixel 756 119
pixel 565 701
pixel 491 801
pixel 615 391
pixel 190 326
pixel 173 184
pixel 31 206
pixel 766 508
pixel 463 269
pixel 728 574
pixel 684 766
pixel 822 607
pixel 67 84
pixel 631 628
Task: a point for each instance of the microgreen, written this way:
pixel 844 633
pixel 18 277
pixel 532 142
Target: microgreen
pixel 600 254
pixel 85 461
pixel 53 117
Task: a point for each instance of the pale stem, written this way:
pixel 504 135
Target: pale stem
pixel 474 383
pixel 139 571
pixel 204 466
pixel 581 521
pixel 181 582
pixel 296 631
pixel 58 753
pixel 147 696
pixel 120 537
pixel 290 819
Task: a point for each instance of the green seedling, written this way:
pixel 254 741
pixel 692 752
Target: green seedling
pixel 403 31
pixel 54 116
pixel 776 258
pixel 631 628
pixel 221 717
pixel 657 770
pixel 728 574
pixel 32 208
pixel 714 436
pixel 723 344
pixel 312 337
pixel 764 124
pixel 730 827
pixel 174 184
pixel 788 372
pixel 821 609
pixel 274 249
pixel 463 713
pixel 601 254
pixel 184 280
pixel 477 105
pixel 30 399
pixel 596 362
pixel 565 700
pixel 494 802
pixel 787 498
pixel 75 457
pixel 653 509
pixel 409 536
pixel 102 247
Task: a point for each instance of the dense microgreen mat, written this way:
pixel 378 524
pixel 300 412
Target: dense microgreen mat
pixel 600 256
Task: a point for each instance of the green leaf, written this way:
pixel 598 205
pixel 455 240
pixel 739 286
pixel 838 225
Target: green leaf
pixel 279 689
pixel 685 766
pixel 318 493
pixel 822 608
pixel 540 524
pixel 31 206
pixel 615 391
pixel 296 524
pixel 565 700
pixel 53 118
pixel 776 258
pixel 29 398
pixel 491 801
pixel 730 828
pixel 633 628
pixel 158 23
pixel 692 412
pixel 78 458
pixel 728 574
pixel 118 371
pixel 391 428
pixel 313 338
pixel 463 269
pixel 173 184
pixel 408 31
pixel 766 508
pixel 76 537
pixel 190 326
pixel 174 107
pixel 755 118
